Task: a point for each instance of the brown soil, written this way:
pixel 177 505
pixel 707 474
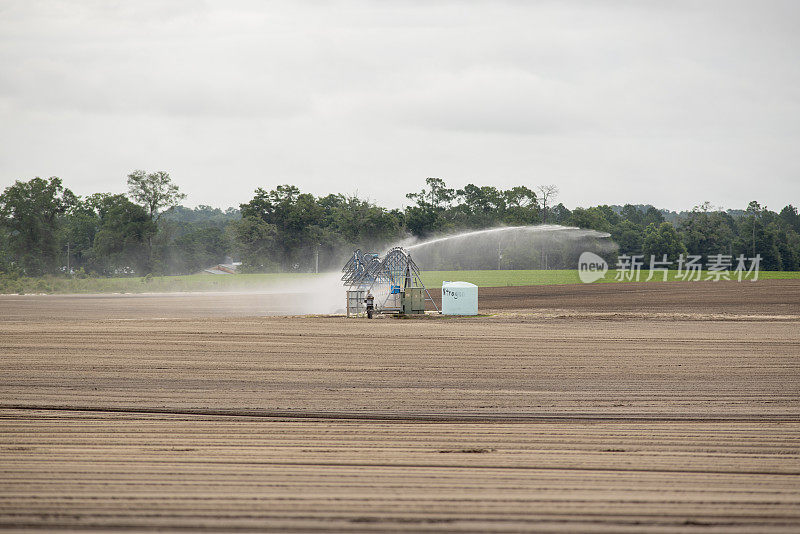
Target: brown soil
pixel 646 407
pixel 771 297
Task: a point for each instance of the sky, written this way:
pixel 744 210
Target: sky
pixel 667 103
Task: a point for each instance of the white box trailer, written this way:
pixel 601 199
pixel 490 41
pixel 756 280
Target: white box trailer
pixel 459 298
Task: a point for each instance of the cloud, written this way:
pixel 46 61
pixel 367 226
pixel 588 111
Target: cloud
pixel 156 61
pixel 376 96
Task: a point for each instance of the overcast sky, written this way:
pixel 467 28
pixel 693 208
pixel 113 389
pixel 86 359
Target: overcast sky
pixel 662 102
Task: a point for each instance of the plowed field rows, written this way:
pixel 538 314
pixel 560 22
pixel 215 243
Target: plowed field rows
pixel 642 407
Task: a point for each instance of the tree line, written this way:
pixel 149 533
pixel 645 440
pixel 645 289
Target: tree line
pixel 46 229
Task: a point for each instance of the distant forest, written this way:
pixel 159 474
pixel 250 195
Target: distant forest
pixel 45 229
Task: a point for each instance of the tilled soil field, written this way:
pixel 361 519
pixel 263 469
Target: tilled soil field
pixel 638 407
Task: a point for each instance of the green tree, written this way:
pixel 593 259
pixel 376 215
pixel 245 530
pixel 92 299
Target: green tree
pixel 202 214
pixel 358 222
pixel 154 191
pixel 660 240
pixel 298 220
pixel 421 220
pixel 78 229
pixel 522 206
pixel 200 247
pixel 628 236
pixel 438 196
pixel 790 218
pixel 191 239
pixel 652 216
pixel 708 232
pixel 559 214
pixel 256 240
pixel 29 214
pixel 5 250
pixel 787 242
pixel 428 215
pixel 754 211
pixel 592 218
pixel 633 214
pixel 758 235
pixel 480 207
pixel 121 243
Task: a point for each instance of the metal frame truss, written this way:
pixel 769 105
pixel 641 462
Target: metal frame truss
pixel 384 278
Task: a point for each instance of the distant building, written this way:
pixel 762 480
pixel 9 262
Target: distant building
pixel 223 268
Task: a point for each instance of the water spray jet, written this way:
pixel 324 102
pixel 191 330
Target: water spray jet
pixel 544 246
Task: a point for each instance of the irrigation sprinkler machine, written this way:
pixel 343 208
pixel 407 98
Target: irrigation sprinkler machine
pixel 392 285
